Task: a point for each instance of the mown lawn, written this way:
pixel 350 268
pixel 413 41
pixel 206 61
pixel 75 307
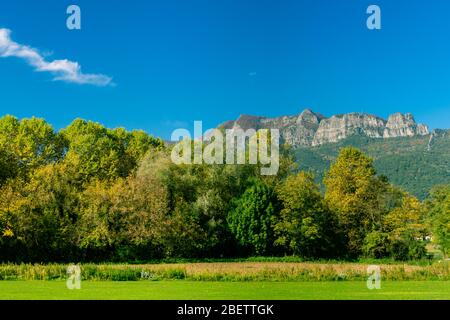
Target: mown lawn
pixel 182 289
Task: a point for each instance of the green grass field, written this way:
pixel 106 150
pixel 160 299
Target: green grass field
pixel 182 289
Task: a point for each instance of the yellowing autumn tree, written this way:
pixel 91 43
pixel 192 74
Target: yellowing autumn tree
pixel 305 226
pixel 352 192
pixel 406 219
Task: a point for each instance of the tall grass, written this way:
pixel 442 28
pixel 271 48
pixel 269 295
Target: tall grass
pixel 231 271
pixel 422 262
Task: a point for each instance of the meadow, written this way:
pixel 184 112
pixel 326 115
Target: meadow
pixel 220 290
pixel 227 280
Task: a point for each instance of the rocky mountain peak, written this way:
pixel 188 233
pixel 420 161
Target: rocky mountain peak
pixel 399 124
pixel 309 117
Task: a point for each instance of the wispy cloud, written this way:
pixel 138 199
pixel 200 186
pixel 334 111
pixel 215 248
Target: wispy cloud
pixel 62 70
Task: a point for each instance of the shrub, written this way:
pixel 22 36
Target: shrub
pixel 375 245
pixel 407 249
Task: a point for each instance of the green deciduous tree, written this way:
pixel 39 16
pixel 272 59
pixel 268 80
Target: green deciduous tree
pixel 438 208
pixel 402 232
pixel 26 145
pixel 406 219
pixel 356 195
pixel 252 217
pixel 305 225
pixel 105 154
pixel 42 215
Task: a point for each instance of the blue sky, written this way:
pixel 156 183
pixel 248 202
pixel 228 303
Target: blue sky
pixel 176 61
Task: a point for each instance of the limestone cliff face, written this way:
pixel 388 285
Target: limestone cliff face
pixel 400 125
pixel 342 126
pixel 312 129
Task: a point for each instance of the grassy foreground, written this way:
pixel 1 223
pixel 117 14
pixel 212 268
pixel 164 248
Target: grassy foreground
pixel 226 281
pixel 183 289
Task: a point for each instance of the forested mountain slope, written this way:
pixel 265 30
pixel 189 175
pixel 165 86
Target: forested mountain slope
pixel 414 163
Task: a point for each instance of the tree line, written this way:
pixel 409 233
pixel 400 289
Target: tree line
pixel 89 193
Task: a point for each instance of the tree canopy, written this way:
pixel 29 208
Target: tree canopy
pixel 89 193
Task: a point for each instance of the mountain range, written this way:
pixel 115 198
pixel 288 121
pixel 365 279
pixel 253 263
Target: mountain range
pixel 408 153
pixel 313 129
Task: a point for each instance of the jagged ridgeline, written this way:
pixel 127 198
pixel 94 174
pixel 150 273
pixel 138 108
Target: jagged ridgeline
pixel 406 152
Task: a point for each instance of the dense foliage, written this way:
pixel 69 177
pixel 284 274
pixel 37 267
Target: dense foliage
pixel 88 193
pixel 416 164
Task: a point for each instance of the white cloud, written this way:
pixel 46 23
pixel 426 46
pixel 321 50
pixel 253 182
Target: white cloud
pixel 63 70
